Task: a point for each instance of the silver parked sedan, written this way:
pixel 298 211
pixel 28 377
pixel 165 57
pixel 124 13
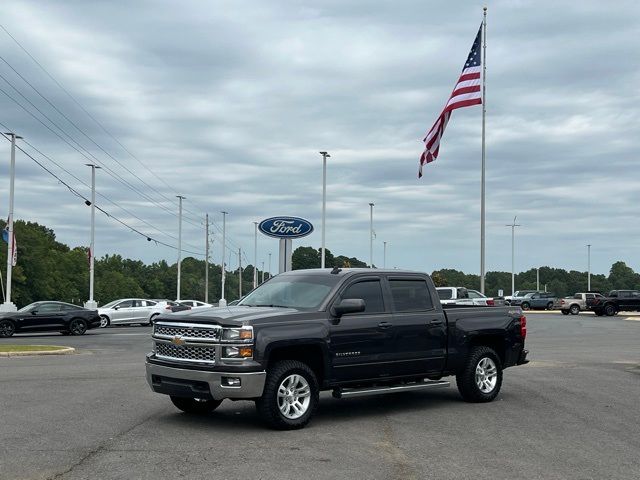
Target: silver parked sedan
pixel 129 310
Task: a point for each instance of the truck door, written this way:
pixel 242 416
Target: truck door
pixel 361 343
pixel 419 329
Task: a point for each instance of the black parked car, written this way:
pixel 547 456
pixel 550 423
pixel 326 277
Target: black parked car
pixel 62 317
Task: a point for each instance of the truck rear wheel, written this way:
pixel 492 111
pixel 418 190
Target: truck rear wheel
pixel 574 309
pixel 195 406
pixel 481 378
pixel 609 310
pixel 290 397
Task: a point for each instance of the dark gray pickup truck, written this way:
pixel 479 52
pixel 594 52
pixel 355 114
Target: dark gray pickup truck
pixel 352 331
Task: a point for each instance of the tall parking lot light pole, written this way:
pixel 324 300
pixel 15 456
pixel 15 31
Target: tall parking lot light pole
pixel 91 303
pixel 325 155
pixel 9 306
pixel 269 265
pixel 255 255
pixel 588 267
pixel 262 273
pixel 180 198
pixel 371 235
pixel 239 272
pixel 513 249
pixel 223 302
pixel 538 279
pixel 206 260
pixel 384 255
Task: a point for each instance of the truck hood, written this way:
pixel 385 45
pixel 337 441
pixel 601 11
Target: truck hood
pixel 227 316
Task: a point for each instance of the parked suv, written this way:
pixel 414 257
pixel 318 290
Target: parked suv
pixel 536 301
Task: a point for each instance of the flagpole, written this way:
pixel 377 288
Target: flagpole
pixel 484 111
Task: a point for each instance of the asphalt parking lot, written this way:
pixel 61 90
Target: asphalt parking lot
pixel 572 413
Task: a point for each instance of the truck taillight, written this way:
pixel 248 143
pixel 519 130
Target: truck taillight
pixel 523 327
pixel 491 302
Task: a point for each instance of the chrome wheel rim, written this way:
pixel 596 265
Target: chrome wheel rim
pixel 294 396
pixel 486 375
pixel 103 322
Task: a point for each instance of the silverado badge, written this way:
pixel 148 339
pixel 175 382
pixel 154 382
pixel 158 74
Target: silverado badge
pixel 178 340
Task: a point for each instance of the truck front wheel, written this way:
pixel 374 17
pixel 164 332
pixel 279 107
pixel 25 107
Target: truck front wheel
pixel 195 406
pixel 481 377
pixel 290 397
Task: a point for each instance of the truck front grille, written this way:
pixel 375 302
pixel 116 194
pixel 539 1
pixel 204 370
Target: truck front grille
pixel 187 332
pixel 186 353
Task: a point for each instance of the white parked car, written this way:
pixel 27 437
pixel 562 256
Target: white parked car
pixel 131 310
pixel 194 303
pixel 464 296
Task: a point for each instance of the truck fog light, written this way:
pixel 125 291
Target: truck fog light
pixel 230 381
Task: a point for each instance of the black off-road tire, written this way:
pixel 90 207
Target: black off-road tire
pixel 267 404
pixel 7 328
pixel 574 309
pixel 195 407
pixel 466 378
pixel 610 310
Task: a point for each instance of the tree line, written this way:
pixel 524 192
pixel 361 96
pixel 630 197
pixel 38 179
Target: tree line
pixel 50 270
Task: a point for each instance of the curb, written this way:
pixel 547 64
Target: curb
pixel 64 351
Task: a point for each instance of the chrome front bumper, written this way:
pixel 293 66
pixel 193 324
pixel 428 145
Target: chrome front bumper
pixel 193 383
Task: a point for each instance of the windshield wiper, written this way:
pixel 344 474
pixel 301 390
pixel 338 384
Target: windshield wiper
pixel 270 305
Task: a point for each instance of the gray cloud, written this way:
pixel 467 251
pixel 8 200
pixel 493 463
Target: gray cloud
pixel 229 103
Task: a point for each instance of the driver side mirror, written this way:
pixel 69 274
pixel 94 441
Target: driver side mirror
pixel 33 312
pixel 116 307
pixel 348 305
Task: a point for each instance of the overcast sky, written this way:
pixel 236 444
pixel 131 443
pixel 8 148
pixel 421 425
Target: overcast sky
pixel 229 102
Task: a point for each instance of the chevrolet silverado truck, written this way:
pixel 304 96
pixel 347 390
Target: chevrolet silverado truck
pixel 349 331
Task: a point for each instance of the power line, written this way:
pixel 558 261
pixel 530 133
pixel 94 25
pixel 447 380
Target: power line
pixel 85 111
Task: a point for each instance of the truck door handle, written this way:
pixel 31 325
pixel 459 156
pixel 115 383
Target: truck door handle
pixel 436 322
pixel 384 325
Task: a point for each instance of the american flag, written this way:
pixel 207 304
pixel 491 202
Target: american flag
pixel 465 93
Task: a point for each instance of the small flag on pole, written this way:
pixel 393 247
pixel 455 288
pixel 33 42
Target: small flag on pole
pixel 465 93
pixel 14 249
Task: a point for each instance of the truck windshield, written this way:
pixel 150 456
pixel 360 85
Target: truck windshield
pixel 293 291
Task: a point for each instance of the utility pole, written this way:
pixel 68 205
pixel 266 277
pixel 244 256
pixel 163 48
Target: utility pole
pixel 180 198
pixel 8 306
pixel 371 235
pixel 262 272
pixel 269 265
pixel 384 255
pixel 538 279
pixel 239 273
pixel 588 267
pixel 91 304
pixel 513 247
pixel 223 302
pixel 255 256
pixel 206 261
pixel 325 155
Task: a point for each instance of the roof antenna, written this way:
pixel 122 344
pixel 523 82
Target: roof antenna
pixel 336 270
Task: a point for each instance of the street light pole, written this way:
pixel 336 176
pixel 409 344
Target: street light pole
pixel 269 265
pixel 262 273
pixel 588 267
pixel 8 306
pixel 91 304
pixel 255 255
pixel 371 235
pixel 325 155
pixel 513 249
pixel 384 255
pixel 538 279
pixel 223 302
pixel 206 261
pixel 180 198
pixel 239 272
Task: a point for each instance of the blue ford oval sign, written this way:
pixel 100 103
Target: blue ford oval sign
pixel 286 227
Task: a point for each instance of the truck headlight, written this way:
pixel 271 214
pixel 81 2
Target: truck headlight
pixel 237 352
pixel 237 334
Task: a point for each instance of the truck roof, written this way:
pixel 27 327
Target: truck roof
pixel 347 271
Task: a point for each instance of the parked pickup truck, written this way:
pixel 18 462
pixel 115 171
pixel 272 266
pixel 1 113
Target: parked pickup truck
pixel 464 296
pixel 574 305
pixel 616 301
pixel 352 331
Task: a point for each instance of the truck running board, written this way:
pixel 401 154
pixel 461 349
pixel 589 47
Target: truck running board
pixel 354 392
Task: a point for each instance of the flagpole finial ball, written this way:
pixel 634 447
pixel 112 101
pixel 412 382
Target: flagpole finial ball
pixel 484 8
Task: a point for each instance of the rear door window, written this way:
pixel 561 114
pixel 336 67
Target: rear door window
pixel 410 295
pixel 445 293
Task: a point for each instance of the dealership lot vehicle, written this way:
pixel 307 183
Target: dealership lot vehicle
pixel 616 301
pixel 536 301
pixel 352 331
pixel 60 317
pixel 181 305
pixel 517 294
pixel 130 311
pixel 465 296
pixel 575 304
